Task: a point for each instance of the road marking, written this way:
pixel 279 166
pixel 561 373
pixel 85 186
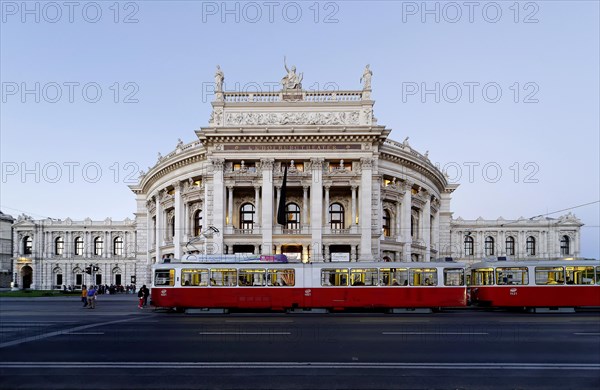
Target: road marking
pixel 304 365
pixel 62 332
pixel 243 333
pixel 85 333
pixel 435 333
pixel 257 321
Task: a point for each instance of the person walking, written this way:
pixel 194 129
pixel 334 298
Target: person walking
pixel 91 297
pixel 141 298
pixel 84 295
pixel 146 294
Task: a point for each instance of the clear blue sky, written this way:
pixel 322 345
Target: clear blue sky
pixel 538 141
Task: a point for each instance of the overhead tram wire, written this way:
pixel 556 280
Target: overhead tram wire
pixel 553 212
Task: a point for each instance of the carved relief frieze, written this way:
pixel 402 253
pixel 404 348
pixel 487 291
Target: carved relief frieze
pixel 291 118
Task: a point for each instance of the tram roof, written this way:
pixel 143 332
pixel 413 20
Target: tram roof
pixel 537 263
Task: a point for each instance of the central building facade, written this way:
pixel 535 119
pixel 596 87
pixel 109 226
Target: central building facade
pixel 351 194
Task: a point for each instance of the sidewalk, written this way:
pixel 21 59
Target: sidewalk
pixel 102 297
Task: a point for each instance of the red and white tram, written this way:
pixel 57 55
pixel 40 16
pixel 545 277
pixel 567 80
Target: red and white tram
pixel 334 286
pixel 531 284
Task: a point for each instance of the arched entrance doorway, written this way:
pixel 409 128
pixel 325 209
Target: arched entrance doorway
pixel 26 276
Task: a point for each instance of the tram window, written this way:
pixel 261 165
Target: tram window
pixel 164 277
pixel 482 277
pixel 334 277
pixel 393 277
pixel 363 276
pixel 223 277
pixel 281 277
pixel 579 275
pixel 549 275
pixel 512 276
pixel 251 277
pixel 194 277
pixel 423 277
pixel 454 277
pixel 597 275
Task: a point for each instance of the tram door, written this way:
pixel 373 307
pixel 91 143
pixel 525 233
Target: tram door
pixel 310 278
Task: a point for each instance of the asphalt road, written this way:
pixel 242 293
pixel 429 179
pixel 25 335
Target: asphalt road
pixel 53 343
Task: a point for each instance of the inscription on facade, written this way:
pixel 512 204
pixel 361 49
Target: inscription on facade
pixel 292 147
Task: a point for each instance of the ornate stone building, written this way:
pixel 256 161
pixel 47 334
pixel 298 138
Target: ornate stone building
pixel 6 222
pixel 352 194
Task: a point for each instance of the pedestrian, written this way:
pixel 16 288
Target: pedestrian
pixel 141 298
pixel 91 297
pixel 146 294
pixel 84 295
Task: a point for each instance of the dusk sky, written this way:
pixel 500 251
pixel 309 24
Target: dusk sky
pixel 503 95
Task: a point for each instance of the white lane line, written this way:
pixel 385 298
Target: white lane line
pixel 587 334
pixel 63 332
pixel 85 333
pixel 435 333
pixel 305 365
pixel 243 333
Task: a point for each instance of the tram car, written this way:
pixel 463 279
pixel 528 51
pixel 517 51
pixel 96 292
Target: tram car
pixel 536 284
pixel 283 286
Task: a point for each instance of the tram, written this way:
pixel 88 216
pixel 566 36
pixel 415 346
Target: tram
pixel 536 284
pixel 334 286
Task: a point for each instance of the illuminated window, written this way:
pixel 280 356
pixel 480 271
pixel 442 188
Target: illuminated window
pixel 194 277
pixel 78 246
pixel 363 277
pixel 423 276
pixel 281 277
pixel 393 277
pixel 549 275
pixel 59 246
pixel 334 277
pixel 512 275
pixel 118 246
pixel 251 277
pixel 98 246
pixel 482 276
pixel 223 277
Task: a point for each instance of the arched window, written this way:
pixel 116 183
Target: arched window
pixel 197 222
pixel 489 246
pixel 387 223
pixel 469 246
pixel 59 246
pixel 565 246
pixel 247 216
pixel 336 216
pixel 27 245
pixel 98 246
pixel 292 216
pixel 118 246
pixel 78 246
pixel 510 246
pixel 530 246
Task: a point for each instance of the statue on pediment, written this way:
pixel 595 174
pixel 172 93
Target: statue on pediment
pixel 366 78
pixel 291 80
pixel 219 77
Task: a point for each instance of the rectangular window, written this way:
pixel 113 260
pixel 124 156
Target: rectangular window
pixel 79 279
pixel 252 277
pixel 423 277
pixel 512 276
pixel 164 277
pixel 59 280
pixel 194 277
pixel 363 276
pixel 281 277
pixel 454 277
pixel 482 277
pixel 334 277
pixel 549 275
pixel 579 275
pixel 98 279
pixel 223 277
pixel 393 277
pixel 118 279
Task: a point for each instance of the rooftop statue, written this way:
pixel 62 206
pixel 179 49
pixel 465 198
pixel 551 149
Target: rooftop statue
pixel 291 80
pixel 219 77
pixel 366 78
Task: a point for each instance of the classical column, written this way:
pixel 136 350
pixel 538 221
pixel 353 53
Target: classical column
pixel 106 245
pixel 353 222
pixel 316 209
pixel 267 205
pixel 398 222
pixel 435 240
pixel 406 219
pixel 230 206
pixel 366 188
pixel 326 206
pixel 276 205
pixel 304 206
pixel 257 206
pixel 178 220
pixel 158 228
pixel 217 205
pixel 427 226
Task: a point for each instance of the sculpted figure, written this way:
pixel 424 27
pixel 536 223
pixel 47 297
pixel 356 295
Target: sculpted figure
pixel 219 77
pixel 366 78
pixel 291 80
